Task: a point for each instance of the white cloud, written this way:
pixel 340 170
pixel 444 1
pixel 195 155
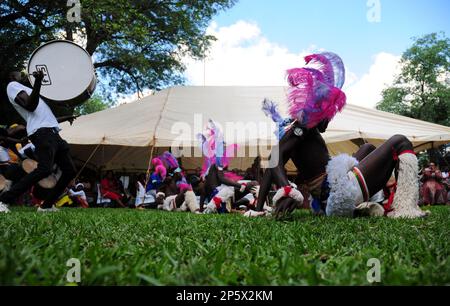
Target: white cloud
pixel 366 91
pixel 243 56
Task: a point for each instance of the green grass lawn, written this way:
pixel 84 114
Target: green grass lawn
pixel 130 247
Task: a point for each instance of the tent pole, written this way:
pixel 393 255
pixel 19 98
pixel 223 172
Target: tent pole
pixel 153 142
pixel 147 174
pixel 87 161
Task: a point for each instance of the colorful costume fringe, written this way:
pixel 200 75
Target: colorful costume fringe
pixel 214 150
pixel 407 194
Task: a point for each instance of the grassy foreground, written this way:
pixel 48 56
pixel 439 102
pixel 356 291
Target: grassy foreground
pixel 129 247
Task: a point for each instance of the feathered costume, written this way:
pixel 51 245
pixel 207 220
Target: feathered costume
pixel 314 92
pixel 165 164
pixel 315 95
pixel 216 153
pixel 214 150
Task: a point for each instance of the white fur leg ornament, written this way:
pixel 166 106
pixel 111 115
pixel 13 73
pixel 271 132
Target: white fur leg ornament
pixel 343 191
pixel 210 208
pixel 169 203
pixel 288 191
pixel 224 194
pixel 190 200
pixel 406 198
pixel 370 209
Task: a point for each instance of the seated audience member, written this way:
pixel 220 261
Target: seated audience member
pixel 144 199
pixel 433 190
pixel 110 188
pixel 77 195
pixel 446 183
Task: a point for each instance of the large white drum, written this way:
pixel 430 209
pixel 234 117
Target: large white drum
pixel 69 74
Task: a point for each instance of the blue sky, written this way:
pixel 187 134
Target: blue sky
pixel 342 25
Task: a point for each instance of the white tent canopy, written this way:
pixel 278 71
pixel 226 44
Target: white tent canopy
pixel 121 137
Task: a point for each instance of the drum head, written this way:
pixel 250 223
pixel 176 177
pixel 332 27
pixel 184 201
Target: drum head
pixel 67 67
pixel 2 182
pixel 49 182
pixel 28 165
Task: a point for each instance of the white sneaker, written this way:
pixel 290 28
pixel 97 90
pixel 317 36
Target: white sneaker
pixel 4 208
pixel 52 209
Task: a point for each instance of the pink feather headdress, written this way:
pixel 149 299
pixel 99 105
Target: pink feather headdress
pixel 315 91
pixel 161 170
pixel 169 160
pixel 157 162
pixel 184 187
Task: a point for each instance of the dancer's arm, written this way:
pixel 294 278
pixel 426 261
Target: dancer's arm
pixel 225 181
pixel 278 159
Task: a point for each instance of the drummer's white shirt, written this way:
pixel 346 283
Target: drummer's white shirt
pixel 42 117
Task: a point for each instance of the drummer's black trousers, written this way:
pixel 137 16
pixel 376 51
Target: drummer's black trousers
pixel 50 149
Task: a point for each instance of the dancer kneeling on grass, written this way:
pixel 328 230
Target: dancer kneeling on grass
pixel 168 175
pixel 172 193
pixel 185 200
pixel 339 184
pixel 219 184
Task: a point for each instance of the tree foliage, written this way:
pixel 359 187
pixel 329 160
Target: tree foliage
pixel 93 105
pixel 422 90
pixel 135 44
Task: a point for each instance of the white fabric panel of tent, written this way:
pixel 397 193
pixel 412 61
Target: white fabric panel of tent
pixel 121 138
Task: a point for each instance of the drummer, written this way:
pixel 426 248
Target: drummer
pixel 43 131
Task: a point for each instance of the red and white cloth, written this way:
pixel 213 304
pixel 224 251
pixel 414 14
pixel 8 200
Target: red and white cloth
pixel 288 191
